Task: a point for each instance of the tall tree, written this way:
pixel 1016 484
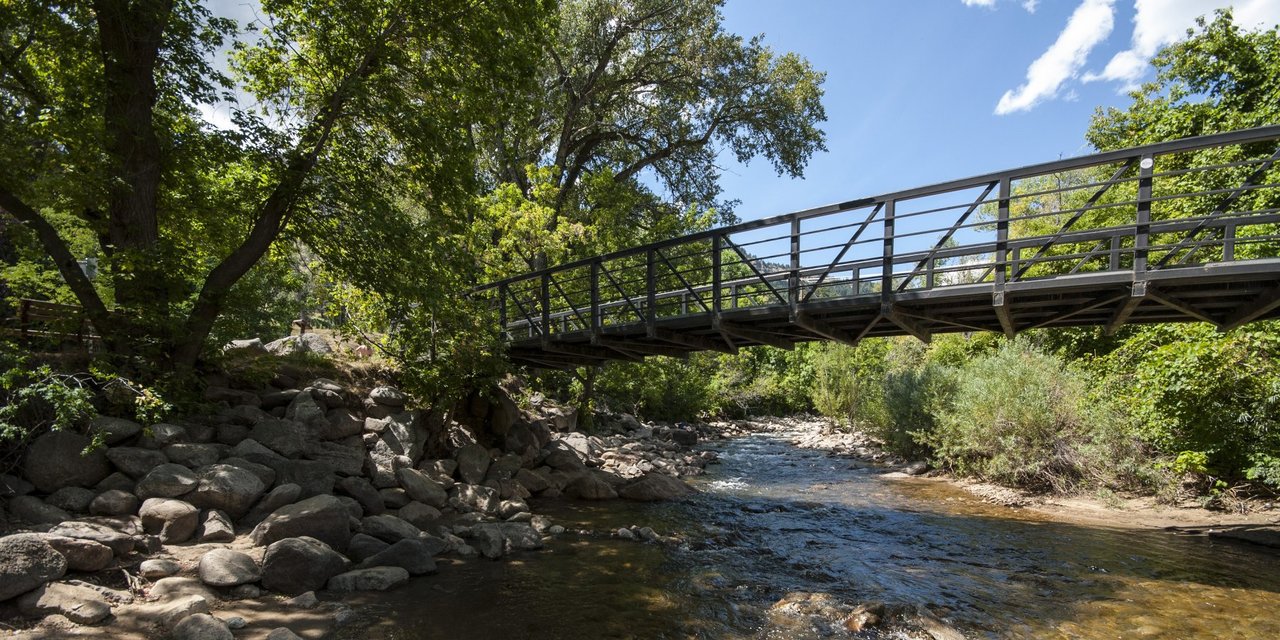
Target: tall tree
pixel 353 102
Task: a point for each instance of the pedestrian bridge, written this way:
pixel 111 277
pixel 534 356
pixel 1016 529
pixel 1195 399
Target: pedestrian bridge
pixel 1180 231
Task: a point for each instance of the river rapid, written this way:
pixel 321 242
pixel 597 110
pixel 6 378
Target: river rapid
pixel 784 542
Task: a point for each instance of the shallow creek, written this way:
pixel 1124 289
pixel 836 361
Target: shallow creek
pixel 773 520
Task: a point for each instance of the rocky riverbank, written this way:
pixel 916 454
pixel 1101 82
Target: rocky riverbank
pixel 1259 526
pixel 229 523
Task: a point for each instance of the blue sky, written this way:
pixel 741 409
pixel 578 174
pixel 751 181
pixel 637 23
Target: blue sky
pixel 922 91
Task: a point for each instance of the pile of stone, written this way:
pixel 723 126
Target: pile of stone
pixel 295 489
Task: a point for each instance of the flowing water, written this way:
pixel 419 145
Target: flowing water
pixel 774 520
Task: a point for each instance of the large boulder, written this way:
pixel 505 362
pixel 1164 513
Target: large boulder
pixel 79 604
pixel 562 457
pixel 57 459
pixel 344 459
pixel 363 547
pixel 173 520
pixel 194 455
pixel 531 481
pixel 227 488
pixel 216 527
pixel 315 478
pixel 285 437
pixel 388 396
pixel 589 486
pixel 114 502
pixel 163 434
pixel 228 568
pixel 371 579
pixel 411 555
pixel 655 487
pixel 114 430
pixel 167 481
pixel 306 409
pixel 389 528
pixel 202 626
pixel 419 515
pixel 81 554
pixel 26 562
pixel 478 498
pixel 363 492
pixel 71 499
pixel 301 564
pixel 33 510
pixel 338 424
pixel 323 517
pixel 473 462
pixel 406 434
pixel 121 534
pixel 305 343
pixel 496 539
pixel 274 499
pixel 422 488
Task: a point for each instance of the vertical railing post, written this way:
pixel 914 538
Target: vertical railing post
pixel 1142 223
pixel 1002 234
pixel 595 298
pixel 793 282
pixel 886 267
pixel 651 282
pixel 716 276
pixel 546 306
pixel 1229 242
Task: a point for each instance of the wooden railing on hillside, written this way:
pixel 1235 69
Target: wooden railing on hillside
pixel 41 321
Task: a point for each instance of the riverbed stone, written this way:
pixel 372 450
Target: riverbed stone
pixel 114 430
pixel 422 488
pixel 56 459
pixel 228 568
pixel 531 481
pixel 478 497
pixel 195 455
pixel 589 486
pixel 33 510
pixel 121 534
pixel 315 478
pixel 81 554
pixel 341 458
pixel 411 555
pixel 173 520
pixel 654 487
pixel 419 515
pixel 167 481
pixel 117 481
pixel 371 579
pixel 71 499
pixel 285 437
pixel 135 462
pixel 363 547
pixel 323 517
pixel 78 604
pixel 202 626
pixel 296 565
pixel 26 562
pixel 363 492
pixel 473 462
pixel 114 502
pixel 156 568
pixel 389 528
pixel 228 488
pixel 280 496
pixel 163 434
pixel 388 396
pixel 216 527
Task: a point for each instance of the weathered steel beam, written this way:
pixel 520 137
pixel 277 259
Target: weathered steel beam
pixel 1001 305
pixel 632 347
pixel 1266 302
pixel 694 341
pixel 1179 305
pixel 825 330
pixel 1137 293
pixel 915 329
pixel 755 335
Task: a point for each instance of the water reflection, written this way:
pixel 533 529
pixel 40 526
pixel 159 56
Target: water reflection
pixel 774 520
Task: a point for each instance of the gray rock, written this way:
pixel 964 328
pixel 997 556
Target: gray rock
pixel 56 460
pixel 202 626
pixel 163 434
pixel 285 437
pixel 371 579
pixel 353 508
pixel 419 515
pixel 232 434
pixel 589 486
pixel 499 538
pixel 477 497
pixel 26 562
pixel 72 499
pixel 114 430
pixel 504 468
pixel 394 497
pixel 531 481
pixel 422 488
pixel 389 528
pixel 167 481
pixel 305 343
pixel 169 612
pixel 274 399
pixel 473 462
pixel 283 633
pixel 195 456
pixel 228 488
pixel 406 434
pixel 82 555
pixel 266 474
pixel 381 464
pixel 135 462
pixel 117 481
pixel 363 492
pixel 307 410
pixel 114 502
pixel 509 508
pixel 343 459
pixel 322 517
pixel 230 396
pixel 340 423
pixel 243 415
pixel 228 568
pixel 33 510
pixel 173 520
pixel 11 486
pixel 156 568
pixel 315 478
pixel 411 555
pixel 216 527
pixel 363 547
pixel 564 458
pixel 121 534
pixel 388 396
pixel 278 497
pixel 181 586
pixel 78 604
pixel 296 565
pixel 253 451
pixel 655 487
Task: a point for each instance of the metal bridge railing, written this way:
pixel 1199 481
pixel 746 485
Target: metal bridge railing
pixel 1167 206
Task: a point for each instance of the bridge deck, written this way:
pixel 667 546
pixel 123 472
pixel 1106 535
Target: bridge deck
pixel 1180 231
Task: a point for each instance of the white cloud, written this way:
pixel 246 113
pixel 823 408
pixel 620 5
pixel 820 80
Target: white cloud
pixel 1157 23
pixel 1030 5
pixel 979 3
pixel 1088 25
